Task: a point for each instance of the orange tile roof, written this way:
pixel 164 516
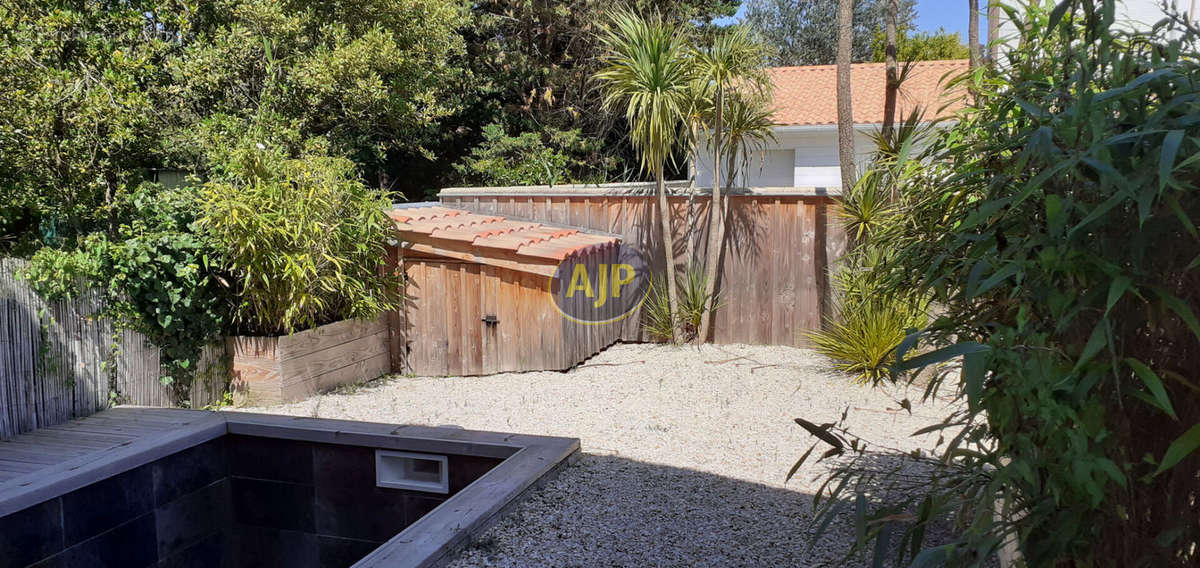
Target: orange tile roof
pixel 808 95
pixel 538 242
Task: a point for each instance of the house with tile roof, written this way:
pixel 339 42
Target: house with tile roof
pixel 805 151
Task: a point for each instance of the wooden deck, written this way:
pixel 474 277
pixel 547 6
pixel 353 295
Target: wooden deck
pixel 45 448
pixel 45 462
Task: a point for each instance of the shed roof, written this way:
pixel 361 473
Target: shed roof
pixel 493 239
pixel 807 95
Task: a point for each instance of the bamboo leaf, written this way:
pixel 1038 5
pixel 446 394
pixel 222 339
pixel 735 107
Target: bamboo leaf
pixel 799 462
pixel 940 355
pixel 1056 15
pixel 883 540
pixel 1182 310
pixel 973 374
pixel 931 557
pixel 1180 448
pixel 1166 160
pixel 1116 290
pixel 1096 342
pixel 1154 385
pixel 821 432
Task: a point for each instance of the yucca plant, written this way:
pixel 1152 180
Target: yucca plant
pixel 734 60
pixel 868 326
pixel 656 313
pixel 692 301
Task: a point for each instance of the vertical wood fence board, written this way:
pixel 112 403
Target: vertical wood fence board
pixel 775 282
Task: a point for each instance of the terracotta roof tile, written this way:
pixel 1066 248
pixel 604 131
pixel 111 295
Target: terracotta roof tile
pixel 422 213
pixel 495 232
pixel 808 95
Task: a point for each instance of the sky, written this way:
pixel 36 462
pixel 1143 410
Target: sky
pixel 932 14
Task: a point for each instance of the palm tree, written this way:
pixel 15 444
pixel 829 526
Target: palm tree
pixel 993 28
pixel 748 122
pixel 732 58
pixel 844 108
pixel 647 72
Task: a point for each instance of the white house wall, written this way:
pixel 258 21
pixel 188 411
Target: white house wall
pixel 799 157
pixel 1130 15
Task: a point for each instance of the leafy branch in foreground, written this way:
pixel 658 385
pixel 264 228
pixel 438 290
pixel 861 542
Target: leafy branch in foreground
pixel 1054 226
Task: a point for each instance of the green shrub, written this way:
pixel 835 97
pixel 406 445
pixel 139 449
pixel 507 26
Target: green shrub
pixel 1055 226
pixel 302 240
pixel 531 158
pixel 155 277
pixel 870 321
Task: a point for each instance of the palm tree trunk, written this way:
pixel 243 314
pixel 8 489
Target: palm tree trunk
pixel 690 257
pixel 994 32
pixel 889 93
pixel 664 214
pixel 845 110
pixel 973 32
pixel 715 222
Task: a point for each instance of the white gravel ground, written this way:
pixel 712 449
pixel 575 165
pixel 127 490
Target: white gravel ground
pixel 685 451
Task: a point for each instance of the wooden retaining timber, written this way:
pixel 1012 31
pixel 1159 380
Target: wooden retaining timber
pixel 781 245
pixel 273 370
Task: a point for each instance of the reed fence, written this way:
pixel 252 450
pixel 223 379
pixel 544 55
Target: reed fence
pixel 61 360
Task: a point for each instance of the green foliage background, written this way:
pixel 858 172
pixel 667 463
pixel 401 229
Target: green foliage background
pixel 805 32
pixel 920 46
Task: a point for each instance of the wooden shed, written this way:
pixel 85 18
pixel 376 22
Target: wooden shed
pixel 481 293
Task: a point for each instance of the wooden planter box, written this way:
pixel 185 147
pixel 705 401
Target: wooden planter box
pixel 274 370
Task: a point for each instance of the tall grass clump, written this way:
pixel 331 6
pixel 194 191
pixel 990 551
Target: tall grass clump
pixel 867 327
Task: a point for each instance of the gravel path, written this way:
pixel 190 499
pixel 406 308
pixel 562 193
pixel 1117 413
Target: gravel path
pixel 684 452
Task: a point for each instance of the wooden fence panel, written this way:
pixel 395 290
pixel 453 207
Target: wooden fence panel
pixel 781 245
pixel 60 360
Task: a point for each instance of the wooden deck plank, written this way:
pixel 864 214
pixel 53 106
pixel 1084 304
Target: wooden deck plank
pixel 80 439
pixel 20 468
pixel 42 446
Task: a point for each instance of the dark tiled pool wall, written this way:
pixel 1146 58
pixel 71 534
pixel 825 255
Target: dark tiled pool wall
pixel 301 504
pixel 171 513
pixel 236 501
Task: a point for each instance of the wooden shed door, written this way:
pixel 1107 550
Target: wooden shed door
pixel 444 327
pixel 489 309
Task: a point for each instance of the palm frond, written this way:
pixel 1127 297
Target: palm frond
pixel 648 74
